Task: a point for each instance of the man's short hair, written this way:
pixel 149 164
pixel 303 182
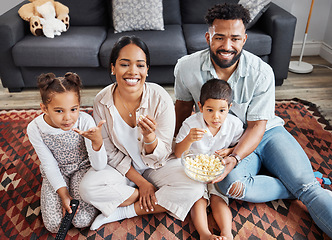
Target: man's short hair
pixel 216 89
pixel 227 11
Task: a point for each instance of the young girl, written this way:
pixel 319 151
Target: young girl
pixel 64 154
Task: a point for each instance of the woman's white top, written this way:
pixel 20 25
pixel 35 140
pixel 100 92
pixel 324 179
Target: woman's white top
pixel 128 136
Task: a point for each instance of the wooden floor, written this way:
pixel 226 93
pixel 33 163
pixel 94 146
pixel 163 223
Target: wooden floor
pixel 315 87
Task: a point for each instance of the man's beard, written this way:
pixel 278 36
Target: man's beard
pixel 224 63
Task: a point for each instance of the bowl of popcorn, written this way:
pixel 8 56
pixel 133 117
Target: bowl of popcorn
pixel 202 167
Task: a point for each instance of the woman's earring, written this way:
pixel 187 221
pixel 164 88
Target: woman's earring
pixel 147 74
pixel 112 73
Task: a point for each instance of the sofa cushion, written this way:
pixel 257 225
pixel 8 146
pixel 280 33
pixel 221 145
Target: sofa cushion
pixel 87 12
pixel 194 11
pixel 165 47
pixel 257 43
pixel 171 12
pixel 131 15
pixel 78 47
pixel 256 9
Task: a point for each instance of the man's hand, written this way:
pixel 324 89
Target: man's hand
pixel 230 163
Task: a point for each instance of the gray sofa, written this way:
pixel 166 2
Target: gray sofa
pixel 85 47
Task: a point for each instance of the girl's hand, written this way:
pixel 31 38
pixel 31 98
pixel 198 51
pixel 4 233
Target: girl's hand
pixel 66 205
pixel 225 152
pixel 65 199
pixel 196 134
pixel 147 125
pixel 147 197
pixel 94 134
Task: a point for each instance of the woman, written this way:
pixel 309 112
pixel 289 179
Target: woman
pixel 142 177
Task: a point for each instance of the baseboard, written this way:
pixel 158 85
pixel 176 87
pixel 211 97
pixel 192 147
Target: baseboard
pixel 313 49
pixel 310 48
pixel 326 52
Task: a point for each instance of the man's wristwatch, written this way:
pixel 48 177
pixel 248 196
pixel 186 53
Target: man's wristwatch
pixel 237 157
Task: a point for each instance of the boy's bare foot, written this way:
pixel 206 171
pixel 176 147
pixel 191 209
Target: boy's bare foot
pixel 227 236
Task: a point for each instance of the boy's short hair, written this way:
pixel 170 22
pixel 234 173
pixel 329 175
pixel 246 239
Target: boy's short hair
pixel 216 89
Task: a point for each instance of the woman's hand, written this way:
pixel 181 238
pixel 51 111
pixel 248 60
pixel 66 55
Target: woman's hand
pixel 147 197
pixel 230 163
pixel 147 125
pixel 94 134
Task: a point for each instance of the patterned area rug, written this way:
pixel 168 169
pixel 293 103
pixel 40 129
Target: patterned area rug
pixel 283 219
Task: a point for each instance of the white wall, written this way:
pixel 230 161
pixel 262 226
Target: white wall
pixel 326 51
pixel 328 33
pixel 8 4
pixel 319 38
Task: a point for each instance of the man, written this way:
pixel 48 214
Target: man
pixel 265 140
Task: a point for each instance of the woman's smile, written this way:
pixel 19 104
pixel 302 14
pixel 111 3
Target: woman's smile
pixel 131 81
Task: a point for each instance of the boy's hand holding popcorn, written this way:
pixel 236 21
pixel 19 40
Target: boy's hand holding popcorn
pixel 196 134
pixel 225 151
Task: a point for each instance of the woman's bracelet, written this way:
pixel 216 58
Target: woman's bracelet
pixel 150 142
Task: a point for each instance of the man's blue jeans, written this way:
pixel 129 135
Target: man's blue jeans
pixel 282 156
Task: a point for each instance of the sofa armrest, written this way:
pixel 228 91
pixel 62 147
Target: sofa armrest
pixel 280 25
pixel 12 30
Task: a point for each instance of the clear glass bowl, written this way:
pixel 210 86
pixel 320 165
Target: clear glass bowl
pixel 197 170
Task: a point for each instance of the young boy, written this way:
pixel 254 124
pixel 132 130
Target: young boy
pixel 211 130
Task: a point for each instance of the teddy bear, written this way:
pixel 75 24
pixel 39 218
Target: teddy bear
pixel 45 16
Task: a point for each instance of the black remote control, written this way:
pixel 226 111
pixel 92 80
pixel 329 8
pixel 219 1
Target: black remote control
pixel 66 220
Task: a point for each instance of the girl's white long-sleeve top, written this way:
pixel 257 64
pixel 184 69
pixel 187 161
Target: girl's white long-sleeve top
pixel 98 159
